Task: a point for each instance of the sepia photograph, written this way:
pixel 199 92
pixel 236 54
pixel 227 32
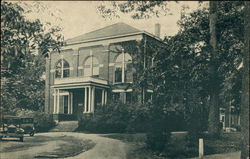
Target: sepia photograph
pixel 124 79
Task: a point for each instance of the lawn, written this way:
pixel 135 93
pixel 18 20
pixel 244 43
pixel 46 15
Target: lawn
pixel 178 147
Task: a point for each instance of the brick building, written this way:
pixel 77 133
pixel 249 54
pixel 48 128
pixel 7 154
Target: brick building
pixel 93 69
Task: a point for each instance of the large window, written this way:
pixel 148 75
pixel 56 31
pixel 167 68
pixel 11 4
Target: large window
pixel 123 68
pixel 66 104
pixel 91 66
pixel 129 97
pixel 62 69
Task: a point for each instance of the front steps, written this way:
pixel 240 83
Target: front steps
pixel 65 126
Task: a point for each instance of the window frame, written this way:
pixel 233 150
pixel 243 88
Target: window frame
pixel 91 66
pixel 123 65
pixel 62 68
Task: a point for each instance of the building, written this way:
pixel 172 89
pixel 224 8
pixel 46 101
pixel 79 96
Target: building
pixel 230 118
pixel 96 68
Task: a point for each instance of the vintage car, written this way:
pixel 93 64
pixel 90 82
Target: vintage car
pixel 27 124
pixel 10 127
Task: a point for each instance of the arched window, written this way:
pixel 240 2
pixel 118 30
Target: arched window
pixel 91 66
pixel 123 67
pixel 62 69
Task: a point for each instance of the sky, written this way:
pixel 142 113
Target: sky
pixel 79 17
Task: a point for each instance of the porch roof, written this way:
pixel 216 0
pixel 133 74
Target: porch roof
pixel 79 82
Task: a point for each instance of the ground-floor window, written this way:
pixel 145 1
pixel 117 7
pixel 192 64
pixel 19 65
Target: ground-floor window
pixel 116 97
pixel 123 97
pixel 148 96
pixel 129 97
pixel 98 97
pixel 64 103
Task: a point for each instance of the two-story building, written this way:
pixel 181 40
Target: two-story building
pixel 93 69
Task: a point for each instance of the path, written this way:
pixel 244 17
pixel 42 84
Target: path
pixel 105 148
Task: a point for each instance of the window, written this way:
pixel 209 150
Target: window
pixel 66 104
pixel 91 66
pixel 148 96
pixel 62 69
pixel 129 97
pixel 118 74
pixel 116 97
pixel 123 68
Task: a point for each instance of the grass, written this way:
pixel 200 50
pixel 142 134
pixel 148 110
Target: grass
pixel 28 143
pixel 229 142
pixel 178 147
pixel 137 147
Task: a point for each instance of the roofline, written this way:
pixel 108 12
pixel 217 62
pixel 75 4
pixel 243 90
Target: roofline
pixel 110 37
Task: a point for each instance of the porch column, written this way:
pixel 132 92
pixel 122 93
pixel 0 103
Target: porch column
pixel 55 97
pixel 71 103
pixel 103 96
pixel 89 101
pixel 85 99
pixel 58 101
pixel 123 66
pixel 93 100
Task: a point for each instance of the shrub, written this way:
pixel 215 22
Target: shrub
pixel 115 118
pixel 42 121
pixel 158 134
pixel 106 119
pixel 157 140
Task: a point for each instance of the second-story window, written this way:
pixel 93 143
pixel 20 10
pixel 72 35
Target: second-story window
pixel 122 67
pixel 91 66
pixel 62 69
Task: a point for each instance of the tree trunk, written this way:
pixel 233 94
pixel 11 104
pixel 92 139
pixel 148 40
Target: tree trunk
pixel 245 87
pixel 213 119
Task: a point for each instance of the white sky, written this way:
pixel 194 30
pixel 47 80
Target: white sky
pixel 79 17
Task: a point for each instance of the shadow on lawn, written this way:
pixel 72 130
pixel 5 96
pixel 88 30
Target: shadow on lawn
pixel 178 147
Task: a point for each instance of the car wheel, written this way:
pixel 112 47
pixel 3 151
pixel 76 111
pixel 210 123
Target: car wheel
pixel 21 139
pixel 32 133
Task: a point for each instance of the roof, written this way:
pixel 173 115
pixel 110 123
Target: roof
pixel 116 29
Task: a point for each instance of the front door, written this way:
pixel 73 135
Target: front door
pixel 78 103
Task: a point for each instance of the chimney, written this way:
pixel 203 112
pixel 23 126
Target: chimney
pixel 157 30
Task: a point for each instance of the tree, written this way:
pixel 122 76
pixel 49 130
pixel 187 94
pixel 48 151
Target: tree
pixel 245 86
pixel 226 41
pixel 24 43
pixel 213 120
pixel 217 47
pixel 138 9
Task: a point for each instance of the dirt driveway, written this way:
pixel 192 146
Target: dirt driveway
pixel 64 145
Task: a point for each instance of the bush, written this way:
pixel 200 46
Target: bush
pixel 42 121
pixel 106 119
pixel 157 140
pixel 115 118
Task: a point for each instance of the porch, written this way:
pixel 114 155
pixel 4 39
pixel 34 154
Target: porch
pixel 74 97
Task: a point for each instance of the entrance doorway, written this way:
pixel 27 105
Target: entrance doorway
pixel 78 103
